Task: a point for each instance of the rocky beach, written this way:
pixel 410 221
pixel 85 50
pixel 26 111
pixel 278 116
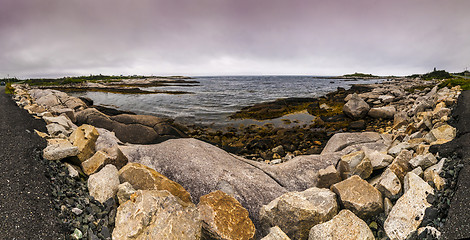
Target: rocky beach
pixel 373 164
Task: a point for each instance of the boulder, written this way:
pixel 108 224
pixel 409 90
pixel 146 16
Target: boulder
pixel 297 212
pixel 202 168
pixel 378 159
pixel 142 177
pixel 389 184
pixel 153 214
pixel 124 192
pixel 386 98
pixel 60 150
pixel 223 217
pixel 275 233
pixel 327 177
pixel 344 226
pixel 408 212
pixel 61 120
pixel 359 196
pixel 400 165
pixel 106 139
pixel 134 133
pixel 387 112
pixel 395 150
pixel 356 108
pixel 355 164
pixel 432 174
pixel 84 137
pixel 340 141
pixel 57 130
pixel 103 157
pixel 104 184
pixel 445 132
pixel 48 101
pixel 423 161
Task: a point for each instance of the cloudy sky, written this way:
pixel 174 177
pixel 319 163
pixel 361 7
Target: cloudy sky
pixel 40 38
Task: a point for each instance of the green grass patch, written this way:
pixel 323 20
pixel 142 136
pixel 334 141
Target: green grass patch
pixel 9 89
pixel 360 75
pixel 462 82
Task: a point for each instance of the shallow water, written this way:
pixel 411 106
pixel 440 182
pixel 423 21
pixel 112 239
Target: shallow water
pixel 215 98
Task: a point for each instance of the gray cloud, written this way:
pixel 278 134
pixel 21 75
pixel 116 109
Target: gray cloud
pixel 215 37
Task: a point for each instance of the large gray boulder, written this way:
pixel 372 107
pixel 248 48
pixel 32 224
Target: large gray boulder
pixel 202 168
pixel 296 212
pixel 341 141
pixel 356 108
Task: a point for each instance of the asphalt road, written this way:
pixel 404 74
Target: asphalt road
pixel 26 210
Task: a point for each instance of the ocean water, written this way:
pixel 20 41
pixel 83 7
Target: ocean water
pixel 215 98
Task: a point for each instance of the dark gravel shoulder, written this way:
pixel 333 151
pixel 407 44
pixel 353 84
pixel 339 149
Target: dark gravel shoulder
pixel 458 220
pixel 26 209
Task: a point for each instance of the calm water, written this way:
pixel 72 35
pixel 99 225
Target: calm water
pixel 217 97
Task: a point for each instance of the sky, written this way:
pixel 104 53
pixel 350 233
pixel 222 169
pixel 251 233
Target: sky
pixel 54 38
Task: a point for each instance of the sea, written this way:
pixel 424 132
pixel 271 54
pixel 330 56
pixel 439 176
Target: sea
pixel 215 98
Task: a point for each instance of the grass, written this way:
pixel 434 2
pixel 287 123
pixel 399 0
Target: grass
pixel 464 83
pixel 9 89
pixel 359 75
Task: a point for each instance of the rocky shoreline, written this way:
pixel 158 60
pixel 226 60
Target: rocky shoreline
pixel 141 177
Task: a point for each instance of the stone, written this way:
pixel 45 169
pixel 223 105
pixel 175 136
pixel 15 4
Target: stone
pixel 61 120
pixel 378 159
pixel 430 230
pixel 445 132
pixel 142 177
pixel 77 211
pixel 77 234
pixel 61 150
pixel 103 157
pixel 400 165
pixel 202 168
pixel 344 226
pixel 104 184
pixel 124 192
pixel 432 174
pixel 57 130
pixel 223 217
pixel 72 171
pixel 386 98
pixel 279 150
pixel 355 164
pixel 41 134
pixel 275 233
pixel 48 101
pixel 359 196
pixel 84 137
pixel 418 171
pixel 423 161
pixel 408 212
pixel 328 177
pixel 356 108
pixel 340 141
pixel 297 212
pixel 387 112
pixel 388 205
pixel 106 139
pixel 154 214
pixel 389 184
pixel 395 150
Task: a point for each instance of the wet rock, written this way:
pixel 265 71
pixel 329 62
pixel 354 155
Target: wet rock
pixel 387 112
pixel 344 226
pixel 409 209
pixel 60 150
pixel 224 217
pixel 275 233
pixel 124 192
pixel 296 212
pixel 153 214
pixel 84 137
pixel 359 196
pixel 423 161
pixel 142 177
pixel 104 184
pixel 356 108
pixel 328 177
pixel 389 184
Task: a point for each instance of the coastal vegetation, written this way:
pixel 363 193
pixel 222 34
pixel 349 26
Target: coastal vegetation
pixel 360 75
pixel 9 89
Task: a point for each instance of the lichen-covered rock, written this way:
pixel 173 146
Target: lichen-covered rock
pixel 383 112
pixel 359 196
pixel 408 211
pixel 142 177
pixel 104 184
pixel 344 226
pixel 275 233
pixel 84 137
pixel 60 150
pixel 224 217
pixel 327 177
pixel 124 192
pixel 296 212
pixel 356 108
pixel 423 161
pixel 400 165
pixel 153 214
pixel 389 184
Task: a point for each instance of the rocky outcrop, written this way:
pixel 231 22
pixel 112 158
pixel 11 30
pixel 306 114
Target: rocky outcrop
pixel 408 212
pixel 223 217
pixel 153 214
pixel 344 226
pixel 142 177
pixel 104 184
pixel 296 212
pixel 356 108
pixel 359 196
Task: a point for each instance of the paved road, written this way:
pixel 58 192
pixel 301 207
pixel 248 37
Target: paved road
pixel 26 210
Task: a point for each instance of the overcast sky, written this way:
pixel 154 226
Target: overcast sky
pixel 40 38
